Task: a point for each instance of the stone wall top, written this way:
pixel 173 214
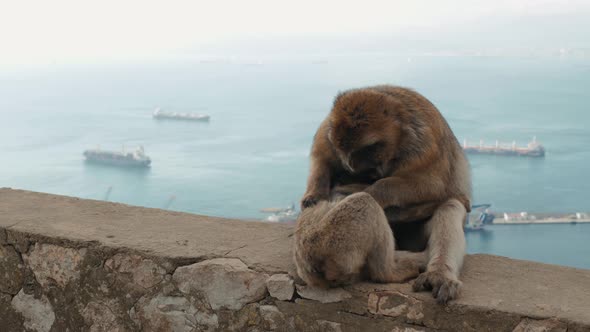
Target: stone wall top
pixel 157 232
pixel 64 241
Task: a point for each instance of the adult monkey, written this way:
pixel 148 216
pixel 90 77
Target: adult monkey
pixel 395 144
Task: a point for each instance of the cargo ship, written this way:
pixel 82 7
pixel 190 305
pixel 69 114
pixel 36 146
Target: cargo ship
pixel 508 218
pixel 127 159
pixel 533 149
pixel 163 115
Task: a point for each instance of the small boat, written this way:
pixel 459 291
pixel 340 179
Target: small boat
pixel 128 159
pixel 477 218
pixel 163 115
pixel 281 214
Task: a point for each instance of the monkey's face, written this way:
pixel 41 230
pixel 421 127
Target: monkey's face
pixel 362 133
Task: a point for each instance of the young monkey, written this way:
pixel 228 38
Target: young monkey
pixel 396 143
pixel 343 241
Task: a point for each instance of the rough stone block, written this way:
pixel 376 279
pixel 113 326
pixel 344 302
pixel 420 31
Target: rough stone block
pixel 547 325
pixel 328 326
pixel 100 317
pixel 281 287
pixel 51 263
pixel 12 270
pixel 172 313
pixel 225 282
pixel 142 271
pixel 272 317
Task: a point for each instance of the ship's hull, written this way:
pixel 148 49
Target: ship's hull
pixel 202 118
pixel 502 152
pixel 123 163
pixel 115 159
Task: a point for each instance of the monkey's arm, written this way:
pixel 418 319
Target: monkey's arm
pixel 318 181
pixel 409 213
pixel 403 192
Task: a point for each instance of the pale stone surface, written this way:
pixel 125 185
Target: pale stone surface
pixel 54 263
pixel 172 313
pixel 395 304
pixel 281 286
pixel 11 270
pixel 225 282
pixel 329 295
pixel 38 313
pixel 143 272
pixel 547 325
pixel 101 318
pixel 406 329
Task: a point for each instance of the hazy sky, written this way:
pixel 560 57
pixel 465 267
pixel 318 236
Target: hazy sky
pixel 38 32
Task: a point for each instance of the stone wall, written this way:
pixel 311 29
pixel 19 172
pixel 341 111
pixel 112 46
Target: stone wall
pixel 68 264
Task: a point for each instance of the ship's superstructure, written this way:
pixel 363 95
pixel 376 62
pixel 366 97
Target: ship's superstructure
pixel 533 149
pixel 164 115
pixel 136 158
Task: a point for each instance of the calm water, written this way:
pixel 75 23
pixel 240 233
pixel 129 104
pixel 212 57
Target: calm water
pixel 253 153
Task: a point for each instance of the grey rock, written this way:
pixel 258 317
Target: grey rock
pixel 225 282
pixel 38 313
pixel 281 287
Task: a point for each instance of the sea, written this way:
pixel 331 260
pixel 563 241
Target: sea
pixel 264 112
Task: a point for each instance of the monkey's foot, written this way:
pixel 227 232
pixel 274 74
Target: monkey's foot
pixel 444 286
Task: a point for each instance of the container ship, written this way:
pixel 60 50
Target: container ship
pixel 163 115
pixel 127 159
pixel 533 149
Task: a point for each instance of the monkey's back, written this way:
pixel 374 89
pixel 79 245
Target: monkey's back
pixel 425 117
pixel 335 238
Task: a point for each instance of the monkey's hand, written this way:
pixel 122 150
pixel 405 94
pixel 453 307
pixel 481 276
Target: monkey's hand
pixel 312 198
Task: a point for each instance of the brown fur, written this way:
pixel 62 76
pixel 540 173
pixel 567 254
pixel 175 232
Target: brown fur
pixel 396 143
pixel 339 242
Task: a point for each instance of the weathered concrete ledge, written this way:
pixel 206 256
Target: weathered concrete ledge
pixel 69 264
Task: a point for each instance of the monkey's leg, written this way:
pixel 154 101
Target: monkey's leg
pixel 412 213
pixel 415 259
pixel 383 263
pixel 446 250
